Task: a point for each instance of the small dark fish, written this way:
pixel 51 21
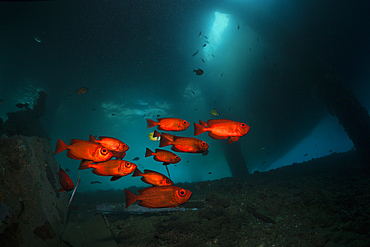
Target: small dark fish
pixel 1 101
pixel 222 74
pixel 69 96
pixel 94 109
pixel 205 36
pixel 263 162
pixel 21 105
pixel 144 115
pixel 82 90
pixel 200 33
pixel 204 45
pixel 193 92
pixel 198 71
pixel 229 108
pixel 238 26
pixel 195 109
pixel 206 41
pixel 113 114
pixel 268 153
pixel 202 60
pixel 158 115
pixel 305 155
pixel 195 53
pixel 330 151
pixel 187 161
pixel 250 49
pixel 95 182
pixel 213 55
pixel 264 57
pixel 209 172
pixel 136 158
pixel 67 170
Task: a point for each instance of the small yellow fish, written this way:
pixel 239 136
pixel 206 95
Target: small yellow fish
pixel 152 138
pixel 215 113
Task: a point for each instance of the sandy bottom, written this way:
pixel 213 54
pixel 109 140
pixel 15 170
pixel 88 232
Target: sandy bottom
pixel 323 202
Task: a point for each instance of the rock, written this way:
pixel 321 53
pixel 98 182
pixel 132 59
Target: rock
pixel 32 211
pixel 26 122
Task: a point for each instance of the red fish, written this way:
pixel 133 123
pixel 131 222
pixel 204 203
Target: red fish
pixel 82 90
pixel 65 181
pixel 222 129
pixel 119 156
pixel 159 197
pixel 168 124
pixel 153 178
pixel 115 168
pixel 84 150
pixel 185 144
pixel 168 136
pixel 111 143
pixel 163 156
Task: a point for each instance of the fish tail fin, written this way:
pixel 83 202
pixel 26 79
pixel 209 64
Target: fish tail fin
pixel 60 147
pixel 164 142
pixel 198 129
pixel 148 152
pixel 130 198
pixel 137 173
pixel 150 123
pixel 92 138
pixel 156 134
pixel 85 164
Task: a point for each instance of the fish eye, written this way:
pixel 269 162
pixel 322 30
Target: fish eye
pixel 177 157
pixel 128 164
pixel 184 122
pixel 243 125
pixel 104 151
pixel 182 193
pixel 203 144
pixel 168 181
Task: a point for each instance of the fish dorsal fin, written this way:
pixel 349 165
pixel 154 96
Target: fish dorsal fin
pixel 150 171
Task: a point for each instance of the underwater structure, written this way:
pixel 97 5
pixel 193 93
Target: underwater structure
pixel 31 208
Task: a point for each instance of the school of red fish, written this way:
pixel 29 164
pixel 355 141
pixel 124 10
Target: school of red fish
pixel 98 153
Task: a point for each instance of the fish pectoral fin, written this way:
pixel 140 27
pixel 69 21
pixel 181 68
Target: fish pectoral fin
pixel 173 148
pixel 72 156
pixel 115 178
pixel 217 137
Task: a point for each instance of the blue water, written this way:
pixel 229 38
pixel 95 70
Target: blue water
pixel 136 58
